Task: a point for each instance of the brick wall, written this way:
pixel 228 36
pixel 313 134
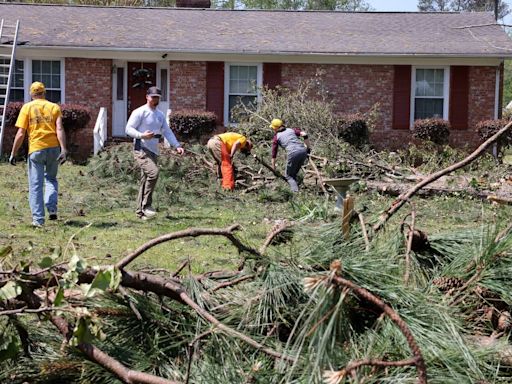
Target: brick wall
pixel 482 84
pixel 358 87
pixel 88 83
pixel 353 88
pixel 188 85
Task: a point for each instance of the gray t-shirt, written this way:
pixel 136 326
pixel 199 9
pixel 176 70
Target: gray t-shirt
pixel 289 140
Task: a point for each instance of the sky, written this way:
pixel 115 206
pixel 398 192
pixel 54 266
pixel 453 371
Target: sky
pixel 410 5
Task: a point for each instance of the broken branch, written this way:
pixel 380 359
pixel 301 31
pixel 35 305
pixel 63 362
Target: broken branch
pixel 400 201
pixel 191 232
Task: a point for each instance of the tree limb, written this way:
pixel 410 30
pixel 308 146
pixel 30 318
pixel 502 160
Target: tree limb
pixel 191 232
pixel 269 167
pixel 409 246
pixel 395 318
pixel 400 201
pixel 160 286
pixel 97 355
pixel 232 282
pixel 109 363
pixel 320 178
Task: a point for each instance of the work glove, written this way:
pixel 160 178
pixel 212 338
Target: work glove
pixel 308 150
pixel 12 160
pixel 62 157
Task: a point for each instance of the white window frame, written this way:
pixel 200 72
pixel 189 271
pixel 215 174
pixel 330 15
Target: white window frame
pixel 446 90
pixel 28 76
pixel 259 84
pixel 22 88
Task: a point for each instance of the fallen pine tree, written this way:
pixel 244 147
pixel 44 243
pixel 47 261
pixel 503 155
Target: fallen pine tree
pixel 275 320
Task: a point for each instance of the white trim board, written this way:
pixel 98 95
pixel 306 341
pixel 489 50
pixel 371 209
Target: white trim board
pixel 156 56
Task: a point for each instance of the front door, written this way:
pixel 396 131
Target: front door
pixel 141 76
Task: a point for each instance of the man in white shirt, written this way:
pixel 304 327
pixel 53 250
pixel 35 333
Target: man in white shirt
pixel 146 125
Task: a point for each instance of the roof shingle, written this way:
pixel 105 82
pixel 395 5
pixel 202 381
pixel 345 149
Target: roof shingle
pixel 260 32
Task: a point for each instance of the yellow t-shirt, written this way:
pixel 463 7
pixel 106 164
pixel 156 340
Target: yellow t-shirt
pixel 230 138
pixel 39 119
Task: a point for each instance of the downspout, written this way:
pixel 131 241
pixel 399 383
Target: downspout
pixel 497 93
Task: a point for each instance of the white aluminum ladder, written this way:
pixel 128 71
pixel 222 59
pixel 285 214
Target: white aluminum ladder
pixel 8 41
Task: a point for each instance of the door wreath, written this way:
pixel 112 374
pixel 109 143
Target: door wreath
pixel 141 78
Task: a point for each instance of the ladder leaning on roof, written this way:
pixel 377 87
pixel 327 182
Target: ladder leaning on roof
pixel 8 41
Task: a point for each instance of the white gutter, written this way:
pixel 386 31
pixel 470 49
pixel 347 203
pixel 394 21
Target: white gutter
pixel 158 55
pixel 170 50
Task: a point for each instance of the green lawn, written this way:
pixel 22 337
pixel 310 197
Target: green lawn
pixel 97 219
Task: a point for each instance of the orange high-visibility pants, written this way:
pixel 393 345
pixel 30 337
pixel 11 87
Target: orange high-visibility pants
pixel 226 167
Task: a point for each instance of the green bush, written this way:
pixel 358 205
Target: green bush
pixel 507 114
pixel 74 116
pixel 434 130
pixel 353 129
pixel 192 123
pixel 487 128
pixel 12 112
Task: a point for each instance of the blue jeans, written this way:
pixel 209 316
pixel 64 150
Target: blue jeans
pixel 42 167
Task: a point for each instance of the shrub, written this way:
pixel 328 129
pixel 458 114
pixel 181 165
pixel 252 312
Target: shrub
pixel 192 123
pixel 487 128
pixel 11 114
pixel 507 114
pixel 434 130
pixel 75 117
pixel 353 129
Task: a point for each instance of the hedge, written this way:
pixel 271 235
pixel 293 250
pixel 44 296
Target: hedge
pixel 434 130
pixel 192 123
pixel 353 129
pixel 487 128
pixel 74 117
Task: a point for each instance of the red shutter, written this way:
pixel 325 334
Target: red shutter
pixel 215 89
pixel 402 97
pixel 459 96
pixel 271 74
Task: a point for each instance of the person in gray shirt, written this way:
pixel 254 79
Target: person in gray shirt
pixel 146 125
pixel 297 152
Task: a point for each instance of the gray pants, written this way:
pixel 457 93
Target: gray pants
pixel 296 159
pixel 147 162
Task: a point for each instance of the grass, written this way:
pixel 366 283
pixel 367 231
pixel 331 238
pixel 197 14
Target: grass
pixel 97 219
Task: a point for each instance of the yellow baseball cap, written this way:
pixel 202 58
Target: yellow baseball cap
pixel 276 123
pixel 37 88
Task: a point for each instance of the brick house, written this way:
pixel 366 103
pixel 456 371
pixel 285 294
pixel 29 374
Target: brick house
pixel 414 64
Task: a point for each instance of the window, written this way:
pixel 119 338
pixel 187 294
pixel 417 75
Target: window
pixel 430 89
pixel 120 83
pixel 163 84
pixel 242 83
pixel 17 90
pixel 49 73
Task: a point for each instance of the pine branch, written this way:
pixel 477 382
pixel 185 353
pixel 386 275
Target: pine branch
pixel 97 355
pixel 272 234
pixel 364 294
pixel 409 246
pixel 191 232
pixel 269 167
pixel 400 201
pixel 232 282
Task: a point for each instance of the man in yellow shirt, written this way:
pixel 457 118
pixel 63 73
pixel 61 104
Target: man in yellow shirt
pixel 228 143
pixel 42 120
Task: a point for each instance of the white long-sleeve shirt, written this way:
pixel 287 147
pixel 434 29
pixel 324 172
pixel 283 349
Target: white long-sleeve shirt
pixel 145 119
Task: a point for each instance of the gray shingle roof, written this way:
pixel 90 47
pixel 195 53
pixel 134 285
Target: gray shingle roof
pixel 259 32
